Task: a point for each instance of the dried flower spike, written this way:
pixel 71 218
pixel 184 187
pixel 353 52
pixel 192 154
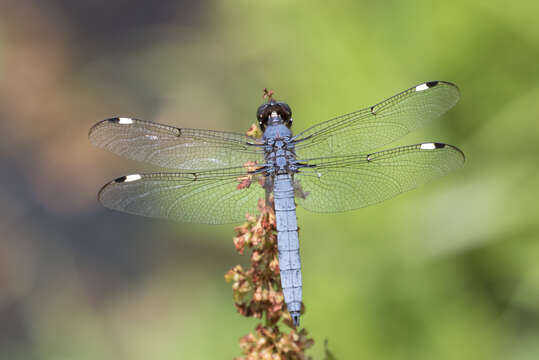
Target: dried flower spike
pixel 257 292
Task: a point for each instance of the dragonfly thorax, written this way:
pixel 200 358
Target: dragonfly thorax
pixel 279 150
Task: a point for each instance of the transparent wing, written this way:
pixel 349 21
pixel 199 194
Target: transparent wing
pixel 380 124
pixel 351 182
pixel 174 148
pixel 209 197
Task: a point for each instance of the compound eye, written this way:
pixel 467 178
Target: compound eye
pixel 286 112
pixel 262 115
pixel 260 112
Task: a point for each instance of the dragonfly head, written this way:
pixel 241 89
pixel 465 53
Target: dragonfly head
pixel 272 113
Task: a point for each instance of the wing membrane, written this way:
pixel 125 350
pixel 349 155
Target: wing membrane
pixel 375 126
pixel 174 148
pixel 351 182
pixel 209 197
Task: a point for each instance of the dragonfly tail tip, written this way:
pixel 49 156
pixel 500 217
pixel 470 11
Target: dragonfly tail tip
pixel 295 318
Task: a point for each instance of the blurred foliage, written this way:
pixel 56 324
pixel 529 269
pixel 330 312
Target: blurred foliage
pixel 447 271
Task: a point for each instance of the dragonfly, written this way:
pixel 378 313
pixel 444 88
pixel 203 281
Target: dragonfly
pixel 218 177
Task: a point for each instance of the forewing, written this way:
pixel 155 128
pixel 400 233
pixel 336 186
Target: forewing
pixel 174 148
pixel 210 197
pixel 380 124
pixel 351 182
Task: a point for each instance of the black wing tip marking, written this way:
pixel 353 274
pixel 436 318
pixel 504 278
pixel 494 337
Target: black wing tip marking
pixel 439 145
pixel 118 180
pixel 126 121
pixel 121 179
pixel 117 120
pixel 436 145
pixel 112 120
pixel 448 87
pixel 434 83
pixel 427 146
pixel 424 86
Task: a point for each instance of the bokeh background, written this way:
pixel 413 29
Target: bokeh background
pixel 448 271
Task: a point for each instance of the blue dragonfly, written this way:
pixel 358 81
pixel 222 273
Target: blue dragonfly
pixel 219 176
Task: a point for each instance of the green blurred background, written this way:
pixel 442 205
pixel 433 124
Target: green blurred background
pixel 448 271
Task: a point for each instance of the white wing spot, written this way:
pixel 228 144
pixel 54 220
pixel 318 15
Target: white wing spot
pixel 125 121
pixel 428 146
pixel 133 177
pixel 421 87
